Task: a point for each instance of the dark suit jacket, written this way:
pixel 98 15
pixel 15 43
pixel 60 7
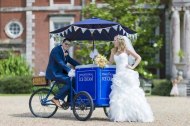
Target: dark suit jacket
pixel 57 68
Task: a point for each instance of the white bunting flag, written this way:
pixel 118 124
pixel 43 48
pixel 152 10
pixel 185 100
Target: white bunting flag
pixel 120 28
pixel 100 30
pixel 76 28
pixel 115 27
pixel 70 28
pixel 66 31
pixel 91 31
pixel 107 29
pixel 83 30
pixel 124 32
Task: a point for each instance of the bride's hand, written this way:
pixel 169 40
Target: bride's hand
pixel 130 67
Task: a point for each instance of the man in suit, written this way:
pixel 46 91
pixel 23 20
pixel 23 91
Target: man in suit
pixel 59 71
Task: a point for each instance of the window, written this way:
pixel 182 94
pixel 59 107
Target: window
pixel 58 25
pixel 61 2
pixel 57 22
pixel 13 29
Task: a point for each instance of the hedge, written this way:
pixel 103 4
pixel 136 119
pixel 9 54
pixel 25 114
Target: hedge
pixel 161 87
pixel 16 85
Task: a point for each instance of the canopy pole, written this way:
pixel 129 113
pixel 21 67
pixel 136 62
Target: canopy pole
pixel 93 45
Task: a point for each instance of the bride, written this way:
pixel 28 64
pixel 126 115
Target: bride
pixel 127 99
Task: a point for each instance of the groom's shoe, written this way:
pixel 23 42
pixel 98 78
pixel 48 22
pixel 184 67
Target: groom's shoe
pixel 56 102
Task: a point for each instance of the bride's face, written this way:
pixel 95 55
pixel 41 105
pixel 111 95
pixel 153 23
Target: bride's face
pixel 115 42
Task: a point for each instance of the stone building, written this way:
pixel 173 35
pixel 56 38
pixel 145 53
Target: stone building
pixel 177 42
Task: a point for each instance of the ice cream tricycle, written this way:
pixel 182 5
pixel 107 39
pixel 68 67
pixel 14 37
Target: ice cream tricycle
pixel 91 90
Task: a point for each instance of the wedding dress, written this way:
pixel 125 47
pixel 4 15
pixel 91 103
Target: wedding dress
pixel 127 99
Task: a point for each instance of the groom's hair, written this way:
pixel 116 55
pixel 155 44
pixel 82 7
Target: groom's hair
pixel 66 39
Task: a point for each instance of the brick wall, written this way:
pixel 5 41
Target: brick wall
pixel 12 3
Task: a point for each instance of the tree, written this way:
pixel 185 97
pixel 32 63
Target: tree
pixel 141 16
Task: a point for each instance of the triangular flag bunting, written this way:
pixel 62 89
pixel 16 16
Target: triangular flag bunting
pixel 120 28
pixel 91 31
pixel 108 29
pixel 100 30
pixel 76 28
pixel 83 30
pixel 66 31
pixel 70 28
pixel 115 27
pixel 124 32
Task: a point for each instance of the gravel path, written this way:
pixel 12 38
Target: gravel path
pixel 168 111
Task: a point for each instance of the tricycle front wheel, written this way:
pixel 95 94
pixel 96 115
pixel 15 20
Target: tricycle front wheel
pixel 83 106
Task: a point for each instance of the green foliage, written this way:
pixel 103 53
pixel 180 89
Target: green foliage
pixel 136 17
pixel 181 54
pixel 14 66
pixel 161 87
pixel 86 48
pixel 16 84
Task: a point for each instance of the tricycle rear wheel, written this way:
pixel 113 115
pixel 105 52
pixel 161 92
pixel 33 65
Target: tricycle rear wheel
pixel 106 109
pixel 83 106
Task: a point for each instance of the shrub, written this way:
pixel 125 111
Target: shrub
pixel 14 65
pixel 161 87
pixel 16 84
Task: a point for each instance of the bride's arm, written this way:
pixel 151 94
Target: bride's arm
pixel 136 56
pixel 111 57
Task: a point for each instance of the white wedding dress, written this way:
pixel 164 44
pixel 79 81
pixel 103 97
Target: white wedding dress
pixel 127 99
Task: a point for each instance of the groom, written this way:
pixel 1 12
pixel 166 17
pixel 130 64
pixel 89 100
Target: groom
pixel 59 71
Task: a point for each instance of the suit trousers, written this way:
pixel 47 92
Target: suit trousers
pixel 63 91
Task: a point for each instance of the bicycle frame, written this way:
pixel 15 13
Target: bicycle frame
pixel 52 85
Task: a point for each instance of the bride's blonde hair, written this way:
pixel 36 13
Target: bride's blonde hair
pixel 121 45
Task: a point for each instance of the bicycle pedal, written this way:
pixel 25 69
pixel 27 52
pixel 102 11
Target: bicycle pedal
pixel 65 106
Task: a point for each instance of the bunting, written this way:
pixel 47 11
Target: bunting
pixel 70 29
pixel 91 31
pixel 99 30
pixel 107 29
pixel 115 27
pixel 83 30
pixel 76 28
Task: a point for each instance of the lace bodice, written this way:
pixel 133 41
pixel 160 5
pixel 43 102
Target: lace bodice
pixel 121 61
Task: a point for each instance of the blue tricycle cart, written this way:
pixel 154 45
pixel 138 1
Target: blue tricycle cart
pixel 91 90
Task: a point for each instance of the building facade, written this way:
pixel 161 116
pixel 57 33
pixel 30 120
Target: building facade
pixel 25 27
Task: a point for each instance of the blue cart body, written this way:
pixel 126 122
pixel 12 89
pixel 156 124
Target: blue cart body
pixel 96 81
